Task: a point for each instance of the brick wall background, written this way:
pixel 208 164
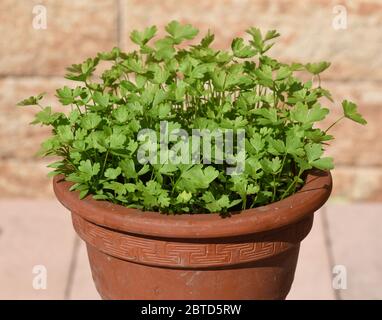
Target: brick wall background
pixel 33 61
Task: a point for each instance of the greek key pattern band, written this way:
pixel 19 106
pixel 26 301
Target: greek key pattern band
pixel 156 252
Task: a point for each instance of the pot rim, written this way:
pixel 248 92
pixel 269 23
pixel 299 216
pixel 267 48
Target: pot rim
pixel 308 199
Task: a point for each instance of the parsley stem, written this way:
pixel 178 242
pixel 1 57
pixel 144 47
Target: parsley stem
pixel 286 192
pixel 104 162
pixel 274 188
pixel 333 124
pixel 282 166
pixel 244 202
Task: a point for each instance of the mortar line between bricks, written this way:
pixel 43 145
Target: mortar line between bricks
pixel 329 247
pixel 331 80
pixel 32 76
pixel 72 268
pixel 359 166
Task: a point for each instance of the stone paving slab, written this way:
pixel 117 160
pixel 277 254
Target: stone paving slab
pixel 82 287
pixel 355 238
pixel 313 279
pixel 34 233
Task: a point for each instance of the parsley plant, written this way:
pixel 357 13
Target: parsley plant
pixel 189 87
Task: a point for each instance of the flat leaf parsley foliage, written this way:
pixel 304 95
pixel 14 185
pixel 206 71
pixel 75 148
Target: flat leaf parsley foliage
pixel 192 87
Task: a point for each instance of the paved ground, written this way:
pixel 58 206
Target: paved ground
pixel 343 249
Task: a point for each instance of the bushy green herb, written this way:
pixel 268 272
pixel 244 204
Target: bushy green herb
pixel 192 87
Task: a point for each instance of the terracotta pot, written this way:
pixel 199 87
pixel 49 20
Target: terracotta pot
pixel 146 255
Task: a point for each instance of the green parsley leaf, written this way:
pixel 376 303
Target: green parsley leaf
pixel 350 112
pixel 180 32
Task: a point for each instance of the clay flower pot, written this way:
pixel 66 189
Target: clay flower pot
pixel 147 255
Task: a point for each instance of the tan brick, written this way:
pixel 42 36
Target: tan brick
pixel 25 179
pixel 355 144
pixel 18 139
pixel 357 184
pixel 305 26
pixel 22 174
pixel 75 30
pixel 362 92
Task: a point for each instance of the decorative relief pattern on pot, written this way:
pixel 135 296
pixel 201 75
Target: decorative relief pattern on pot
pixel 181 254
